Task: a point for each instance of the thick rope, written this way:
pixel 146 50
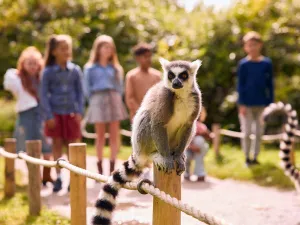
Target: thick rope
pixel 88 135
pixel 189 210
pixel 8 154
pixel 236 134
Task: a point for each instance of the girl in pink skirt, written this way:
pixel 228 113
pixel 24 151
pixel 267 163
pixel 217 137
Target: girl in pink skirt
pixel 103 86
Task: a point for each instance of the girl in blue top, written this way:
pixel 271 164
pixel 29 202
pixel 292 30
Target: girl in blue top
pixel 103 82
pixel 61 97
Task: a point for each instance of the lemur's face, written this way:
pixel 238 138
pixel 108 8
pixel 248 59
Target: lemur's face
pixel 179 75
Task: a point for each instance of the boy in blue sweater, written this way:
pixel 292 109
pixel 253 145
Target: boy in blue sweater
pixel 255 89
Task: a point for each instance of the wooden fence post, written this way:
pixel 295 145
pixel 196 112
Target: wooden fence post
pixel 163 213
pixel 217 138
pixel 33 149
pixel 77 157
pixel 9 171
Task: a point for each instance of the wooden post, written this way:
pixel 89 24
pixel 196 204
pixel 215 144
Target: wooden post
pixel 77 157
pixel 217 138
pixel 33 149
pixel 163 213
pixel 9 171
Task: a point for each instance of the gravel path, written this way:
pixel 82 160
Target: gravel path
pixel 240 203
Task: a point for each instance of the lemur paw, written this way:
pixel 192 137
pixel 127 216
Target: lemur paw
pixel 163 163
pixel 180 165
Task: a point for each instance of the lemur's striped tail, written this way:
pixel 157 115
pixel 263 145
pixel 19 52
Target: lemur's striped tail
pixel 106 201
pixel 287 140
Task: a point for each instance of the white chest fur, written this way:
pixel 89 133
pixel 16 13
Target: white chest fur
pixel 183 108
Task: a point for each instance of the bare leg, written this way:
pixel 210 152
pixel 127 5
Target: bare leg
pixel 57 151
pixel 46 171
pixel 47 156
pixel 114 139
pixel 100 140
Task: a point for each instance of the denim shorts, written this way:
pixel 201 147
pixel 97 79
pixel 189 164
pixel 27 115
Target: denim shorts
pixel 29 127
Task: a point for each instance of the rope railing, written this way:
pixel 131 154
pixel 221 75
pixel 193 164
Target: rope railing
pixel 146 187
pixel 89 135
pixel 236 134
pixel 229 133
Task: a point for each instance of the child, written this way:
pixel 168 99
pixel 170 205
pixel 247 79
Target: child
pixel 24 82
pixel 198 149
pixel 255 88
pixel 103 76
pixel 62 97
pixel 140 79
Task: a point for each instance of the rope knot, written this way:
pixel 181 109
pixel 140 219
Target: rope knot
pixel 140 183
pixel 20 152
pixel 60 159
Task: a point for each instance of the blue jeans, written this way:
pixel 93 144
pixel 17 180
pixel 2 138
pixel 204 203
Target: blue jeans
pixel 29 127
pixel 200 142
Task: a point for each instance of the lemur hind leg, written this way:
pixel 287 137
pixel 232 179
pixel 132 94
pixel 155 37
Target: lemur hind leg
pixel 178 153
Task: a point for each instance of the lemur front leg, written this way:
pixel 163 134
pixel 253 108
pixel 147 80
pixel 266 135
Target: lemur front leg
pixel 163 160
pixel 178 154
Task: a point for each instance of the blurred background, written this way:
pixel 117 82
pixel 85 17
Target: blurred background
pixel 210 30
pixel 206 30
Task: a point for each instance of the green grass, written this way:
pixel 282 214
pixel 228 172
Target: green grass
pixel 231 164
pixel 7 115
pixel 14 211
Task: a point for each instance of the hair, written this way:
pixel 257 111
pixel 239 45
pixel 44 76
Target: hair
pixel 23 74
pixel 252 36
pixel 94 55
pixel 52 44
pixel 141 49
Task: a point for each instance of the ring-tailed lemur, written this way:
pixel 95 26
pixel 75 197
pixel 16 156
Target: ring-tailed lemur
pixel 287 140
pixel 162 128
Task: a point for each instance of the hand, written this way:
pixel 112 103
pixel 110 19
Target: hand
pixel 242 110
pixel 166 164
pixel 78 117
pixel 50 123
pixel 212 135
pixel 180 164
pixel 194 148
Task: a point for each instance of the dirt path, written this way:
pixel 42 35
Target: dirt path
pixel 240 203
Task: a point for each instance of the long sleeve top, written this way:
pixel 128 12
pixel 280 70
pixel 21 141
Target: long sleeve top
pixel 62 91
pixel 12 83
pixel 99 78
pixel 255 82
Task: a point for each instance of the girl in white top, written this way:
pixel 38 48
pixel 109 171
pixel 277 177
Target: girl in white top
pixel 23 82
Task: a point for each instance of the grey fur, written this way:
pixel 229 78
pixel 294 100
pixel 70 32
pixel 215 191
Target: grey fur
pixel 151 139
pixel 162 128
pixel 179 63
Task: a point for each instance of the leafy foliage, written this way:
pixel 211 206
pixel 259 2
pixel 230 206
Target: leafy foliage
pixel 205 33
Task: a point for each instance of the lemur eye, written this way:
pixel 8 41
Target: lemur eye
pixel 183 75
pixel 171 75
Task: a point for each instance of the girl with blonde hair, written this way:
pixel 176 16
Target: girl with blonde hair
pixel 103 82
pixel 24 83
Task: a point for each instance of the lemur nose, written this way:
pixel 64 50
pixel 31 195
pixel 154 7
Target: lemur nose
pixel 176 84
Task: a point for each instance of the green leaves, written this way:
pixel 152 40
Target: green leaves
pixel 204 33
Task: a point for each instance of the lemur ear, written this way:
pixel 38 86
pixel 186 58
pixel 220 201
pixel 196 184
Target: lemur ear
pixel 163 62
pixel 195 66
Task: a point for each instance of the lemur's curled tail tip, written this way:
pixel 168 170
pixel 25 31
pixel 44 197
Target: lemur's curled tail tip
pixel 106 201
pixel 287 140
